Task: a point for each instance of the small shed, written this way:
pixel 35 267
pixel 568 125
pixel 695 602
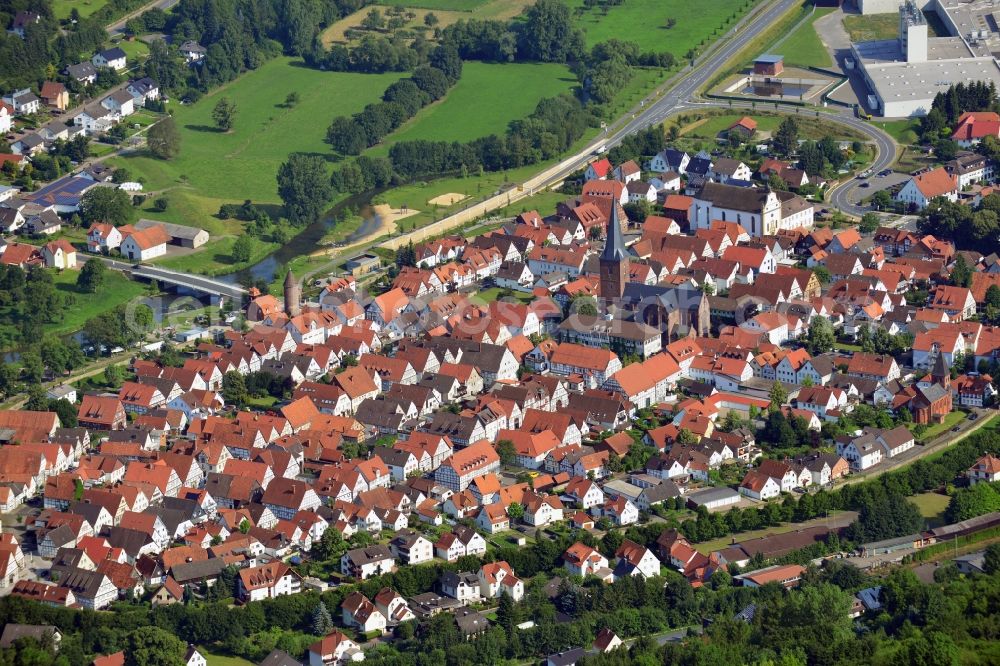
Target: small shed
pixel 769 65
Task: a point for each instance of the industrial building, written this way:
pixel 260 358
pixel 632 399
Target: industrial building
pixel 904 75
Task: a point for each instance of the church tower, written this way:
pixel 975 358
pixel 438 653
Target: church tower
pixel 293 295
pixel 940 374
pixel 614 259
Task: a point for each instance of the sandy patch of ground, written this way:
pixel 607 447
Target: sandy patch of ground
pixel 447 199
pixel 392 215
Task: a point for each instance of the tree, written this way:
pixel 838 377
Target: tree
pixel 164 139
pixel 869 223
pixel 430 19
pixel 243 249
pixel 515 510
pixel 778 396
pixel 786 138
pixel 106 204
pixel 584 305
pixel 373 20
pixel 291 99
pixel 322 623
pixel 993 296
pixel 991 559
pixel 961 273
pixel 234 389
pixel 548 33
pixel 153 646
pixel 505 449
pixel 507 614
pixel 945 150
pixel 686 438
pixel 304 187
pixel 776 184
pixel 886 516
pixel 224 113
pixel 821 337
pixel 92 276
pixel 114 375
pixel 977 500
pixel 882 200
pixel 37 400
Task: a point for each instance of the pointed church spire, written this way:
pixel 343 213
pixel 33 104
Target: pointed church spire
pixel 614 260
pixel 614 244
pixel 941 374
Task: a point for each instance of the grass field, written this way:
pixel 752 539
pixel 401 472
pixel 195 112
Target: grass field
pixel 484 101
pixel 134 50
pixel 810 127
pixel 215 168
pixel 223 660
pixel 803 46
pixel 933 431
pixel 870 27
pixel 645 22
pixel 931 505
pixel 117 289
pixel 493 294
pixel 903 131
pixel 61 9
pixel 241 164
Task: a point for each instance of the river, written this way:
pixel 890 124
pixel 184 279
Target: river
pixel 307 241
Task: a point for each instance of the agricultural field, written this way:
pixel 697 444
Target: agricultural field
pixel 803 45
pixel 445 11
pixel 645 22
pixel 484 101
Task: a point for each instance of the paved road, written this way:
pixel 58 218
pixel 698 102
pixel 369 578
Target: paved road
pixel 846 195
pixel 677 98
pixel 190 280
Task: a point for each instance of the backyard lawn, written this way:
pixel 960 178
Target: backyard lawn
pixel 932 506
pixel 62 9
pixel 645 22
pixel 223 660
pixel 494 294
pixel 803 46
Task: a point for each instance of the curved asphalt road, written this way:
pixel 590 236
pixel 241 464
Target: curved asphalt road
pixel 673 100
pixel 844 196
pixel 682 96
